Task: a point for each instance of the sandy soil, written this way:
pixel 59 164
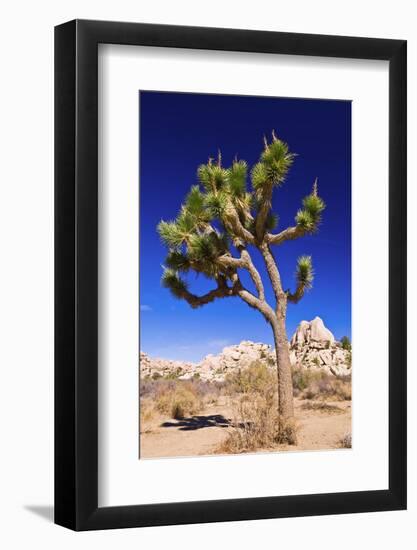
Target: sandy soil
pixel 202 434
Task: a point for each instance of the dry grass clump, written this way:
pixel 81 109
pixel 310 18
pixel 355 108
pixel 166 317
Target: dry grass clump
pixel 288 432
pixel 304 378
pixel 256 378
pixel 180 402
pixel 184 402
pixel 322 407
pixel 153 388
pixel 258 426
pixel 320 385
pixel 256 422
pixel 176 398
pixel 147 415
pixel 345 442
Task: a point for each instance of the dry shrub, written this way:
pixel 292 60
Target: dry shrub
pixel 345 442
pixel 257 378
pixel 163 402
pixel 331 388
pixel 209 392
pixel 155 388
pixel 322 407
pixel 256 421
pixel 258 426
pixel 288 432
pixel 178 398
pixel 304 378
pixel 178 403
pixel 147 414
pixel 184 403
pixel 320 385
pixel 343 390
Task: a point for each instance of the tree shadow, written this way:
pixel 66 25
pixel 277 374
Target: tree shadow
pixel 198 422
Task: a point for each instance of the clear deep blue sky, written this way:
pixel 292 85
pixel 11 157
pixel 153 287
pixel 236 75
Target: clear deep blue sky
pixel 180 131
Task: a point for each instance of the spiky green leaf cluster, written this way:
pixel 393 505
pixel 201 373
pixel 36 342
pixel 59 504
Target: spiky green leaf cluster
pixel 277 160
pixel 194 215
pixel 304 221
pixel 212 176
pixel 216 203
pixel 201 248
pixel 314 205
pixel 203 251
pixel 178 261
pixel 194 202
pixel 308 218
pixel 170 234
pixel 172 281
pixel 304 273
pixel 259 176
pixel 186 222
pixel 236 178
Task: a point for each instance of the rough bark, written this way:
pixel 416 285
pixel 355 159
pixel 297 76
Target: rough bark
pixel 285 390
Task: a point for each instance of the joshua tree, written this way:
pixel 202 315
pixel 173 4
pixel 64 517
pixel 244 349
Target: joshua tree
pixel 218 225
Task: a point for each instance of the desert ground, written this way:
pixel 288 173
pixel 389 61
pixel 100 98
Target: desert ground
pixel 204 433
pixel 194 417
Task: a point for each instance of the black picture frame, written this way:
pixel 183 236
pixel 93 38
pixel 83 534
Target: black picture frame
pixel 76 272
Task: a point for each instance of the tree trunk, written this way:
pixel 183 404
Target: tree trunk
pixel 285 390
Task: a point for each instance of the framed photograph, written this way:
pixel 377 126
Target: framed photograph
pixel 230 253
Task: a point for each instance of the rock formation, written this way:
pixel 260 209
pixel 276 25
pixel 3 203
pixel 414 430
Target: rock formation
pixel 312 346
pixel 156 367
pixel 313 331
pixel 236 357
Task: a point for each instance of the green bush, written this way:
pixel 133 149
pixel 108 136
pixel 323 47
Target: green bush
pixel 345 342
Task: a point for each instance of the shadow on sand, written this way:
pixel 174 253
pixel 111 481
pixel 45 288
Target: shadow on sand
pixel 198 422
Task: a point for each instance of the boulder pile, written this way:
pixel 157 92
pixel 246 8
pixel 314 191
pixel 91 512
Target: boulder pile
pixel 313 346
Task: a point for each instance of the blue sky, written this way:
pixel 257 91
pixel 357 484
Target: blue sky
pixel 178 132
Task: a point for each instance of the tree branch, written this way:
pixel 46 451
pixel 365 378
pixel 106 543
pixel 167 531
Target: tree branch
pixel 288 234
pixel 222 291
pixel 274 275
pixel 261 305
pixel 232 219
pixel 245 262
pixel 305 276
pixel 254 273
pixel 229 261
pixel 263 212
pixel 298 294
pixel 307 219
